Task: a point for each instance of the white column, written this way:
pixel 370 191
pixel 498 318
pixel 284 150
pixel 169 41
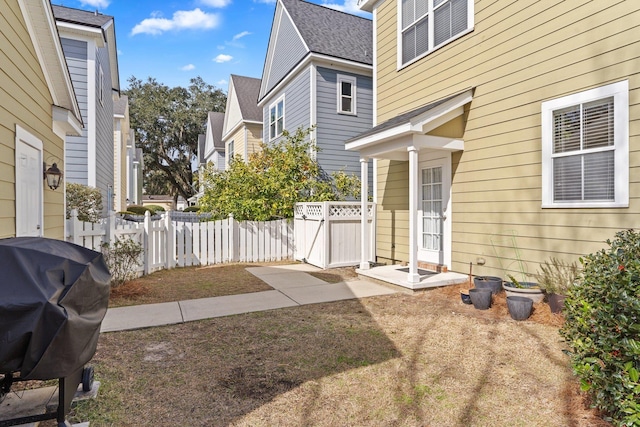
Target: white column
pixel 413 276
pixel 364 213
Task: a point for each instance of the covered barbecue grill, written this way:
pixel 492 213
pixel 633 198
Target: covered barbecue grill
pixel 53 297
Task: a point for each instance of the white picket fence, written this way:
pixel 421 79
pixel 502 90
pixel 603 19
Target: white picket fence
pixel 168 243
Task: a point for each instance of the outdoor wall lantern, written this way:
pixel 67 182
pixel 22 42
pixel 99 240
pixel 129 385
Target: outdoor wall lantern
pixel 53 175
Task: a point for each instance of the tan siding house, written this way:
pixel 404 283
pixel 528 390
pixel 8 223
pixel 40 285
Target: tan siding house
pixel 506 131
pixel 242 131
pixel 37 109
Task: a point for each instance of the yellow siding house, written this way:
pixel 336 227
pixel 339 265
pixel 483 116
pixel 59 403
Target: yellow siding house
pixel 38 109
pixel 242 131
pixel 506 132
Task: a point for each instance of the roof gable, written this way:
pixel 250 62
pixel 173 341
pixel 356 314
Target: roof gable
pixel 300 29
pixel 247 91
pixel 213 136
pixel 41 26
pixel 73 19
pixel 331 32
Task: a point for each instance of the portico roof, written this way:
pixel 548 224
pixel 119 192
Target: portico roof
pixel 411 128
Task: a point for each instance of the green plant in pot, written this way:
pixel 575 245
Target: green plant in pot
pixel 556 277
pixel 530 290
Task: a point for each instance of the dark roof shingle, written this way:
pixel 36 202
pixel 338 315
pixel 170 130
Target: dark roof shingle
pixel 331 32
pixel 78 16
pixel 217 122
pixel 247 90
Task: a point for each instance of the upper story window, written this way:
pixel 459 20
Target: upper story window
pixel 585 148
pixel 427 24
pixel 346 94
pixel 276 118
pixel 230 152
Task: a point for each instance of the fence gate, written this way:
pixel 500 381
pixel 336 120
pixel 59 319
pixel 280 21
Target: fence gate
pixel 327 234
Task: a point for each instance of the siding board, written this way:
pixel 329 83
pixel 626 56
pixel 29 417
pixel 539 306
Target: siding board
pixel 519 54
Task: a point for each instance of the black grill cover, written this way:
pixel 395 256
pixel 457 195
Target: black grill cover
pixel 53 297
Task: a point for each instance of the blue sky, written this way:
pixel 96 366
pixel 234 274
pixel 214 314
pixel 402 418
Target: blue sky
pixel 174 41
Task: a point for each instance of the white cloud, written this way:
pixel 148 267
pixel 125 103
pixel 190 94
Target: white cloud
pixel 216 3
pixel 98 4
pixel 265 1
pixel 182 20
pixel 222 83
pixel 222 58
pixel 188 67
pixel 349 6
pixel 241 35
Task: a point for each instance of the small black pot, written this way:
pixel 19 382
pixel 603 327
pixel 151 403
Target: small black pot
pixel 481 298
pixel 556 302
pixel 519 307
pixel 488 282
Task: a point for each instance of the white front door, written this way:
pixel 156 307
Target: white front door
pixel 29 184
pixel 433 222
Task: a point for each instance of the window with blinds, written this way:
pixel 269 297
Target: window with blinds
pixel 583 152
pixel 585 148
pixel 427 24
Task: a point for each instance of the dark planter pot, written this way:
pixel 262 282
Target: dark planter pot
pixel 464 297
pixel 556 302
pixel 529 290
pixel 519 307
pixel 481 298
pixel 488 282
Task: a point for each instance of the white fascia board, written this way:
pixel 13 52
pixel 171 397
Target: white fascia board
pixel 380 137
pixel 339 64
pixel 369 5
pixel 65 123
pixel 80 30
pixel 327 61
pixel 110 35
pixel 233 130
pixel 38 15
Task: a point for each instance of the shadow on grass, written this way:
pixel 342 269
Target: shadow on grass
pixel 216 371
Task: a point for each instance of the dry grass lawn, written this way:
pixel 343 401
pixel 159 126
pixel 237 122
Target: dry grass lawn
pixel 398 360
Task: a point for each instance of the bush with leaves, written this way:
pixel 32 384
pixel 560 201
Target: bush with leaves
pixel 192 209
pixel 155 208
pixel 86 200
pixel 138 210
pixel 273 180
pixel 123 259
pixel 602 328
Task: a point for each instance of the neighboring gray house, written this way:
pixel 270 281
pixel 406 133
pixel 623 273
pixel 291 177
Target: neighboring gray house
pixel 214 150
pixel 210 149
pixel 89 45
pixel 318 71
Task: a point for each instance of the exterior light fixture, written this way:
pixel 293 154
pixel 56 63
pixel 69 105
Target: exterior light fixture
pixel 53 175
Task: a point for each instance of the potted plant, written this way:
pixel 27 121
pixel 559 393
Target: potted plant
pixel 556 277
pixel 488 282
pixel 530 290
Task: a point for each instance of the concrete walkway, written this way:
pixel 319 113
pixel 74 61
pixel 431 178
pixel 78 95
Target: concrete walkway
pixel 292 285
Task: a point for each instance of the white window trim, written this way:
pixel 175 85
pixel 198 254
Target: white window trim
pixel 101 84
pixel 229 152
pixel 432 48
pixel 620 93
pixel 354 89
pixel 284 113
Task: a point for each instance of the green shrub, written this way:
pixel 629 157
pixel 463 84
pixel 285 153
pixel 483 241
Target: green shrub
pixel 138 210
pixel 602 328
pixel 122 258
pixel 191 209
pixel 87 200
pixel 155 208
